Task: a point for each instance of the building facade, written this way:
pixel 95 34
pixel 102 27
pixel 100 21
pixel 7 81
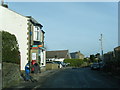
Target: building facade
pixel 28 33
pixel 113 55
pixel 77 55
pixel 117 53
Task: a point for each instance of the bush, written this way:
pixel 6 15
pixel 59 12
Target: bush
pixel 10 48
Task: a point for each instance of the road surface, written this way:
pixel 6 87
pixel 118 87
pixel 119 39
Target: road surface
pixel 81 78
pixel 72 78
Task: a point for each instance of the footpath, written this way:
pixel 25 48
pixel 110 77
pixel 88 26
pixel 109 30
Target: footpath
pixel 39 79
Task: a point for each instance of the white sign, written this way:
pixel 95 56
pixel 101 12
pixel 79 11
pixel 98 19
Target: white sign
pixel 33 56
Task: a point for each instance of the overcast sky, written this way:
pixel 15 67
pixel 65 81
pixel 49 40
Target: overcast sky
pixel 75 26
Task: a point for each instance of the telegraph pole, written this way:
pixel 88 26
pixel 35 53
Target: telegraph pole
pixel 101 45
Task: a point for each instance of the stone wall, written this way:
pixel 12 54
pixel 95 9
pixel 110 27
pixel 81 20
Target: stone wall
pixel 43 69
pixel 50 66
pixel 10 74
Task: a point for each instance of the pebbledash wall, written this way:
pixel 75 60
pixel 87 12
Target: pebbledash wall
pixel 16 24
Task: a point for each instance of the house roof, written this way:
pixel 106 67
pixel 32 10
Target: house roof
pixel 117 48
pixel 34 21
pixel 2 6
pixel 73 54
pixel 57 54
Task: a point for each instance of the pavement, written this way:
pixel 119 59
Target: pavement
pixel 40 78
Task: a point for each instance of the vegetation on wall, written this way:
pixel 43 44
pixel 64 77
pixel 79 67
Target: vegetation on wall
pixel 10 48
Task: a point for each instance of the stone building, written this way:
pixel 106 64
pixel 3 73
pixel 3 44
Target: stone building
pixel 77 55
pixel 109 56
pixel 117 53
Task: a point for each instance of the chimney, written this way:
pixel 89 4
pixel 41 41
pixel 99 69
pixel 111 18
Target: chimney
pixel 3 4
pixel 2 1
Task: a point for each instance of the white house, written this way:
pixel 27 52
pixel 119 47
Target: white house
pixel 58 55
pixel 24 28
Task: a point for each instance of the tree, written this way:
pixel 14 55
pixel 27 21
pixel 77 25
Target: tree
pixel 92 58
pixel 10 48
pixel 74 62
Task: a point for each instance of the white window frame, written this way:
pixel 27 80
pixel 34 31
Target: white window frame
pixel 36 33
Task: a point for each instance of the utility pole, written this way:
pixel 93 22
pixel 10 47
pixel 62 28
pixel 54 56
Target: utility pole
pixel 101 45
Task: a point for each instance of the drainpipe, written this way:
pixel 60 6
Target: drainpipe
pixel 29 52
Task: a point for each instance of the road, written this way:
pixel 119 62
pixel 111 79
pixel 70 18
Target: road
pixel 80 78
pixel 72 78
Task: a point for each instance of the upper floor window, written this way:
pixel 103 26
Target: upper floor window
pixel 36 33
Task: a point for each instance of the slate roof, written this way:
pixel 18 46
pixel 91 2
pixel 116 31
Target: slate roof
pixel 34 21
pixel 73 54
pixel 57 54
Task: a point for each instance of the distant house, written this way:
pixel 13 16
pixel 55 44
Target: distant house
pixel 58 55
pixel 77 55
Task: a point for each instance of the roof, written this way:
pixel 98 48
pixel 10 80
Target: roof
pixel 57 54
pixel 76 53
pixel 12 10
pixel 117 48
pixel 34 21
pixel 73 54
pixel 28 17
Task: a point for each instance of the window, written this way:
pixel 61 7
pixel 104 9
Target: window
pixel 36 34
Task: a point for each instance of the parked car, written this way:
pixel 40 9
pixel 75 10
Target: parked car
pixel 101 65
pixel 95 66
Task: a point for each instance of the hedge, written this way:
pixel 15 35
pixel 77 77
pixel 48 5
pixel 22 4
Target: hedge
pixel 10 48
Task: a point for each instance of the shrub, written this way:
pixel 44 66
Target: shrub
pixel 74 62
pixel 10 48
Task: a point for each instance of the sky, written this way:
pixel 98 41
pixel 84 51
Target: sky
pixel 74 26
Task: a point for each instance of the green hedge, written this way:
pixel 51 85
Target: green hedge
pixel 74 62
pixel 10 48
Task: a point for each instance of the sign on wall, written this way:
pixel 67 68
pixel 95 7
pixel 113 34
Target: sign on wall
pixel 33 56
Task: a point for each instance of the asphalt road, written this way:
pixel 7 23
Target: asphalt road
pixel 80 78
pixel 71 78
